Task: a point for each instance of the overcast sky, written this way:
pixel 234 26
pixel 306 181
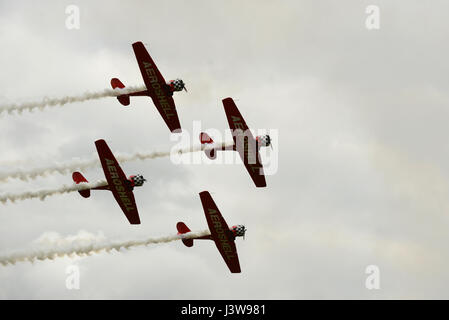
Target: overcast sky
pixel 362 148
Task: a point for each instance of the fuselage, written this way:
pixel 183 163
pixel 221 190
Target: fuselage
pixel 235 231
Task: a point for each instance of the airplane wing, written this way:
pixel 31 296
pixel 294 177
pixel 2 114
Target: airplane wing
pixel 157 87
pixel 220 233
pixel 117 182
pixel 245 143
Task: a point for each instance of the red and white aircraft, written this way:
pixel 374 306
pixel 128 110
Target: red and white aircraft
pixel 157 88
pixel 120 186
pixel 220 233
pixel 244 143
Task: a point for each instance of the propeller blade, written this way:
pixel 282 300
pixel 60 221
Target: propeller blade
pixel 185 88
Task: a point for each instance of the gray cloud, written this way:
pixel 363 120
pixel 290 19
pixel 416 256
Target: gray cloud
pixel 362 146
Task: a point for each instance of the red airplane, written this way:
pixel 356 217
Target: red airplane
pixel 120 186
pixel 220 233
pixel 157 88
pixel 244 143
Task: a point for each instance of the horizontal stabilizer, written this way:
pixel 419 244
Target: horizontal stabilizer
pixel 116 83
pixel 205 139
pixel 188 242
pixel 182 229
pixel 124 98
pixel 79 178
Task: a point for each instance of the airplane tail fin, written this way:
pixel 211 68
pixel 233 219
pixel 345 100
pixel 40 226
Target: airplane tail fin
pixel 79 178
pixel 124 98
pixel 182 229
pixel 206 139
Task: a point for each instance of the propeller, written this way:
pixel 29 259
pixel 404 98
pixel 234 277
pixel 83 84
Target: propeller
pixel 182 83
pixel 269 142
pixel 244 232
pixel 266 139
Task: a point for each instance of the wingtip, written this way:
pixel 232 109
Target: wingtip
pixel 228 99
pixel 100 141
pixel 176 130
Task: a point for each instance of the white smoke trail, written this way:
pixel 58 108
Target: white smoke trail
pixel 54 102
pixel 52 245
pixel 42 194
pixel 62 168
pixel 79 164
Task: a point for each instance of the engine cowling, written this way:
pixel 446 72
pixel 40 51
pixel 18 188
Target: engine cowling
pixel 177 85
pixel 263 141
pixel 239 230
pixel 137 180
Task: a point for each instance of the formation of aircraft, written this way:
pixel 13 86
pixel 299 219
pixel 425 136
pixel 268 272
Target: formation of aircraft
pixel 157 88
pixel 245 144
